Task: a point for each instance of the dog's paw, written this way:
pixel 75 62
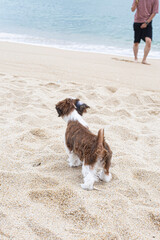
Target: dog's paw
pixel 104 177
pixel 87 187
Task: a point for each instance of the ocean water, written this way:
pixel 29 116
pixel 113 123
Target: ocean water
pixel 95 26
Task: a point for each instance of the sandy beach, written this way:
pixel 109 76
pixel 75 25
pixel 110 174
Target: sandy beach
pixel 40 194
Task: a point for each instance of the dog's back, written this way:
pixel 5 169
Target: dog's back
pixel 80 140
pixel 84 143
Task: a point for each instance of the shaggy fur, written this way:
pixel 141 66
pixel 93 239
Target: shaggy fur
pixel 84 146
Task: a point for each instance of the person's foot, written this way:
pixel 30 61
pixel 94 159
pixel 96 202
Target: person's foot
pixel 145 62
pixel 136 60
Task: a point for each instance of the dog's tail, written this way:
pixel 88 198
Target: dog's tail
pixel 101 138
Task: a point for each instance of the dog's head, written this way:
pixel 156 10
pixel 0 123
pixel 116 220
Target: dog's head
pixel 66 106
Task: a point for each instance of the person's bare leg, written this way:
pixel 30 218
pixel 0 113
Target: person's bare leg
pixel 146 50
pixel 135 51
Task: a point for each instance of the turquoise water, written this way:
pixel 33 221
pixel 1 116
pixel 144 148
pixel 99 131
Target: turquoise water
pixel 97 26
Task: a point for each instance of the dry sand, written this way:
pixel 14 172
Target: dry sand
pixel 40 195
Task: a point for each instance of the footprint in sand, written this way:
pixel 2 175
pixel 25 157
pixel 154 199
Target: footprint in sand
pixel 156 98
pixel 154 112
pixel 137 194
pixel 122 113
pixel 112 89
pixel 124 133
pixel 29 118
pixel 41 232
pixel 151 140
pixel 141 114
pixel 102 92
pixel 109 236
pixel 70 91
pixel 92 95
pixel 112 102
pixel 106 112
pixel 128 191
pixel 68 204
pixel 132 99
pixel 18 93
pixel 75 84
pixel 124 60
pixel 155 218
pixel 147 99
pixel 42 182
pixel 51 85
pixel 149 177
pixel 96 120
pixel 40 133
pixel 4 236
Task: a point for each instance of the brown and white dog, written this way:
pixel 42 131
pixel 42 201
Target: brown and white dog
pixel 82 145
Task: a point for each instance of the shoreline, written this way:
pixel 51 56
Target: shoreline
pixel 85 48
pixel 65 65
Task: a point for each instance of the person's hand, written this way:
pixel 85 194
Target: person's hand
pixel 144 25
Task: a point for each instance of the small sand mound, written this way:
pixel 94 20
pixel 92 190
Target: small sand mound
pixel 40 133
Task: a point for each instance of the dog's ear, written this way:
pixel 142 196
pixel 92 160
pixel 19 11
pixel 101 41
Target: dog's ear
pixel 81 107
pixel 59 111
pixel 59 107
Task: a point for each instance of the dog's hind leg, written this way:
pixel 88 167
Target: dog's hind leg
pixel 105 176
